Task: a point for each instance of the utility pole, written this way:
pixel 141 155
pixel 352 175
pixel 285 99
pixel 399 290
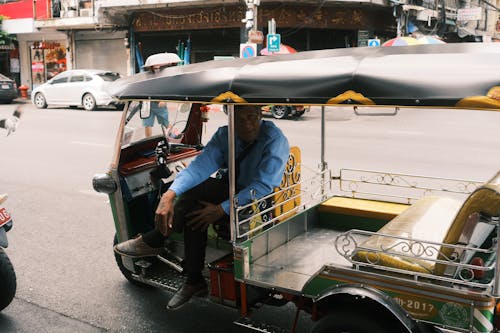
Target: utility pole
pixel 250 19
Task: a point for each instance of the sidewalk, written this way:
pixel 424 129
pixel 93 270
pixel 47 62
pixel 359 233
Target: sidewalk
pixel 20 100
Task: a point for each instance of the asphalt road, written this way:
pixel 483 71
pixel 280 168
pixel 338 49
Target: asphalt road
pixel 61 243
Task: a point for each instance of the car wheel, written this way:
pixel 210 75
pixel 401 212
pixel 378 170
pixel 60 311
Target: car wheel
pixel 279 111
pixel 40 101
pixel 7 280
pixel 126 273
pixel 88 102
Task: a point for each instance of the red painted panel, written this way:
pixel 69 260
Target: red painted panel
pixel 24 9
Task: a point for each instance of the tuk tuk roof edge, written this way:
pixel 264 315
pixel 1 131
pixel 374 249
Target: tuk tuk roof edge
pixel 450 75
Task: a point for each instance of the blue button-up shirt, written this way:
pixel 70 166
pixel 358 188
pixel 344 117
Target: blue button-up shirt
pixel 259 172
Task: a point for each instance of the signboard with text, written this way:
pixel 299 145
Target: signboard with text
pixel 469 14
pixel 363 36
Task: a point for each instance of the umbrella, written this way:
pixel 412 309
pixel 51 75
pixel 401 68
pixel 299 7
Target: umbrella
pixel 430 40
pixel 284 49
pixel 401 41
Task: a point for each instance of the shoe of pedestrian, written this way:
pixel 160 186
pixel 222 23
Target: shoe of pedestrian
pixel 185 293
pixel 136 248
pixel 9 124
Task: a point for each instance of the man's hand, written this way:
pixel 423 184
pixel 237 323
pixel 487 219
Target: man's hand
pixel 201 218
pixel 164 214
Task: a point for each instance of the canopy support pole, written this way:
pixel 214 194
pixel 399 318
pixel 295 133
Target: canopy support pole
pixel 323 165
pixel 232 167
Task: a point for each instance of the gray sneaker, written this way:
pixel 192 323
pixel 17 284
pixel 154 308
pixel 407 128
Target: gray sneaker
pixel 136 248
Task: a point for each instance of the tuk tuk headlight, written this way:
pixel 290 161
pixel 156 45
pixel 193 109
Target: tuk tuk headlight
pixel 104 183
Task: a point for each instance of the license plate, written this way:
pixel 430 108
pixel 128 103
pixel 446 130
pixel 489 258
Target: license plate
pixel 4 216
pixel 5 86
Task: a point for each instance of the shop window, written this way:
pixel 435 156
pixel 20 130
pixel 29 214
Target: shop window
pixel 48 58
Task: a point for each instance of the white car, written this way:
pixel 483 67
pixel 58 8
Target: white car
pixel 77 87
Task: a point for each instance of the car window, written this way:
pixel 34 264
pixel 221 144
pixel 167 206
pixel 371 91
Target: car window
pixel 4 78
pixel 109 76
pixel 60 79
pixel 88 78
pixel 77 78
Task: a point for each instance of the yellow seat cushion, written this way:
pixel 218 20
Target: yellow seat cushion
pixel 432 219
pixel 486 200
pixel 291 179
pixel 362 208
pixel 428 219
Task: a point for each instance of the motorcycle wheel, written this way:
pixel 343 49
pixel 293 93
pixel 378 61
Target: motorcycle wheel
pixel 7 280
pixel 126 273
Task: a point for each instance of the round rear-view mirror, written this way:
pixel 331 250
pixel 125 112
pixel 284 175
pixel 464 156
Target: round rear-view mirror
pixel 184 107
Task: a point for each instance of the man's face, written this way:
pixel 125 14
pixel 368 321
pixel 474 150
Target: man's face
pixel 155 69
pixel 247 122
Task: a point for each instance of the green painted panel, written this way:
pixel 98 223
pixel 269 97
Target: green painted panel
pixel 434 309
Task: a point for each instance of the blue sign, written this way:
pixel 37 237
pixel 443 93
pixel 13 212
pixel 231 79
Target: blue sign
pixel 248 50
pixel 273 42
pixel 374 42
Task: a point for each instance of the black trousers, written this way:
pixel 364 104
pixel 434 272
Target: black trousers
pixel 212 190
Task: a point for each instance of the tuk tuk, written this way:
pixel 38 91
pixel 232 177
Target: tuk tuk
pixel 355 258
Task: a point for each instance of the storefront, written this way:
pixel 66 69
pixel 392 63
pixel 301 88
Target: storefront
pixel 42 55
pixel 218 31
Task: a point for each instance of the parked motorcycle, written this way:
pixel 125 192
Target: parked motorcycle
pixel 7 274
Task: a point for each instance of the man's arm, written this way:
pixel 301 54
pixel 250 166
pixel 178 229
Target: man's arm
pixel 270 172
pixel 199 170
pixel 205 164
pixel 164 214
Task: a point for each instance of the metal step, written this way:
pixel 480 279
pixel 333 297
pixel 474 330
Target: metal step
pixel 160 276
pixel 164 271
pixel 258 326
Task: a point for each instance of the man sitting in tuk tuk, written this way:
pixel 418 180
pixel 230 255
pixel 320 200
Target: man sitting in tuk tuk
pixel 261 152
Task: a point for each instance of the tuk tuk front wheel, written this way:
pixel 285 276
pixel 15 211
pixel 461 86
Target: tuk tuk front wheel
pixel 126 273
pixel 348 322
pixel 7 280
pixel 279 111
